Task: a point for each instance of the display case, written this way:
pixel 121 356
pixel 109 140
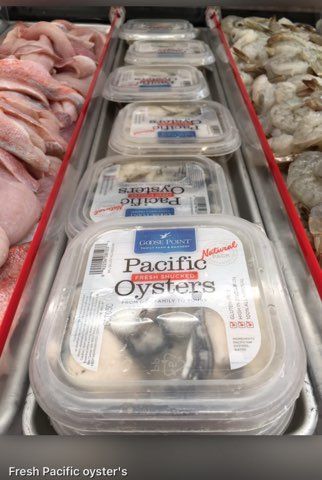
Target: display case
pixel 253 193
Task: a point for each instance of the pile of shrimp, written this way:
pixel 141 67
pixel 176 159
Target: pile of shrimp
pixel 280 63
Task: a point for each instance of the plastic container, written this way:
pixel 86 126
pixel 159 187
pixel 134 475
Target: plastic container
pixel 164 83
pixel 193 52
pixel 203 127
pixel 148 186
pixel 169 328
pixel 157 29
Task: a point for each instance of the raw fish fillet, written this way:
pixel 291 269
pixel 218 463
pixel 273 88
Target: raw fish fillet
pixel 15 139
pixel 81 65
pixel 10 85
pixel 45 185
pixel 81 47
pixel 79 84
pixel 55 145
pixel 19 208
pixel 9 274
pixel 36 76
pixel 59 39
pixel 4 246
pixel 16 168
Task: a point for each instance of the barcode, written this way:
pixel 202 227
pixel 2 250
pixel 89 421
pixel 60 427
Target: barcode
pixel 99 258
pixel 126 77
pixel 215 129
pixel 139 118
pixel 104 187
pixel 200 205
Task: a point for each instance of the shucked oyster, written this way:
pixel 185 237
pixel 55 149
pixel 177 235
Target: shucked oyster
pixel 187 344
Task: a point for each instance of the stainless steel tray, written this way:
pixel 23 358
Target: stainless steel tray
pixel 304 420
pixel 245 205
pixel 15 358
pixel 302 289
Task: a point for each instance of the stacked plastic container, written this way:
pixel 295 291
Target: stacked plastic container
pixel 168 313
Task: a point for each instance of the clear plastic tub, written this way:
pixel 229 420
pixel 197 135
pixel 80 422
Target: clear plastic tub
pixel 163 83
pixel 169 328
pixel 148 186
pixel 173 128
pixel 193 52
pixel 157 29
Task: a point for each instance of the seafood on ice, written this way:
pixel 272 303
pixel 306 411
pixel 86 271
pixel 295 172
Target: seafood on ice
pixel 45 70
pixel 281 65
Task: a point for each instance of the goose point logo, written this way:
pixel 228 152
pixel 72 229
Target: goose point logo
pixel 173 240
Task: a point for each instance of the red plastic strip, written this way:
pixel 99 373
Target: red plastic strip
pixel 39 233
pixel 304 243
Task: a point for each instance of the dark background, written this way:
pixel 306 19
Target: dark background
pixel 96 14
pixel 172 457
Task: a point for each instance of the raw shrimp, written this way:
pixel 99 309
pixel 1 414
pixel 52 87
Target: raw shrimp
pixel 308 132
pixel 281 67
pixel 228 24
pixel 263 94
pixel 282 145
pixel 252 45
pixel 286 116
pixel 304 179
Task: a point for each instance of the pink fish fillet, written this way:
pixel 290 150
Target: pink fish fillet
pixel 6 84
pixel 81 65
pixel 63 24
pixel 35 139
pixel 23 47
pixel 90 35
pixel 4 246
pixel 9 274
pixel 55 164
pixel 54 143
pixel 31 107
pixel 60 41
pixel 15 139
pixel 40 51
pixel 82 48
pixel 50 121
pixel 35 75
pixel 46 184
pixel 16 168
pixel 47 181
pixel 23 103
pixel 12 35
pixel 65 112
pixel 19 208
pixel 79 84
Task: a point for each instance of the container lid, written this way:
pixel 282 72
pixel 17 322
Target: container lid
pixel 203 127
pixel 163 83
pixel 193 52
pixel 157 29
pixel 148 187
pixel 163 327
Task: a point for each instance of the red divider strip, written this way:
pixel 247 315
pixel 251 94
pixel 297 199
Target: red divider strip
pixel 39 233
pixel 302 238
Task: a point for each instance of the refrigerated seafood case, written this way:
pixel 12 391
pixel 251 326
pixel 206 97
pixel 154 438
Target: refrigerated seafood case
pixel 242 196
